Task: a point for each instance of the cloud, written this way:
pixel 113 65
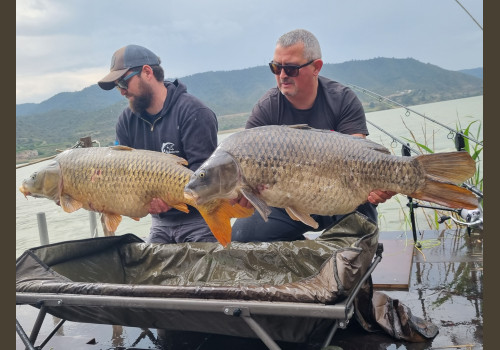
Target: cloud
pixel 58 38
pixel 35 87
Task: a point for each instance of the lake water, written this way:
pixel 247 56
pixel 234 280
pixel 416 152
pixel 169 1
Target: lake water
pixel 64 226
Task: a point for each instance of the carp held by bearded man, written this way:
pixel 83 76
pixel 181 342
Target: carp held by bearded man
pixel 120 180
pixel 310 171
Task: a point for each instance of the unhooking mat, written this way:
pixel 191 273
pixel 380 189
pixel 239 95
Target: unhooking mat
pixel 323 271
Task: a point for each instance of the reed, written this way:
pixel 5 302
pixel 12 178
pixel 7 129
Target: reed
pixel 432 216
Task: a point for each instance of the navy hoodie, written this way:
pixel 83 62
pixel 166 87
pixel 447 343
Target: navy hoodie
pixel 185 127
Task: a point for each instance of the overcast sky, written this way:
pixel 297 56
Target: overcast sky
pixel 66 45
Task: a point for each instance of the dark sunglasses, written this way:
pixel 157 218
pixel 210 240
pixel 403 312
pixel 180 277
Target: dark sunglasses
pixel 290 70
pixel 123 82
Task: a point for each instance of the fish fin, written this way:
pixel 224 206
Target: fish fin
pixel 104 227
pixel 219 221
pixel 180 206
pixel 177 159
pixel 122 148
pixel 376 147
pixel 442 172
pixel 69 204
pixel 454 167
pixel 169 200
pixel 304 217
pixel 258 203
pixel 239 211
pixel 447 194
pixel 299 126
pixel 112 221
pixel 370 144
pixel 136 219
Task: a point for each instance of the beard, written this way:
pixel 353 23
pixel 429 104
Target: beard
pixel 141 102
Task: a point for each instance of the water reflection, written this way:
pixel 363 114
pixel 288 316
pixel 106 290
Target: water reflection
pixel 448 280
pixel 117 335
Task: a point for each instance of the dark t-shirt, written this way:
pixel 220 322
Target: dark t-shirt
pixel 336 108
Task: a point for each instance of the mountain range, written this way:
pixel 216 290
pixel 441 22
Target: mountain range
pixel 61 120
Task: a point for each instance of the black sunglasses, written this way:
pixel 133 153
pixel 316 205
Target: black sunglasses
pixel 290 70
pixel 123 82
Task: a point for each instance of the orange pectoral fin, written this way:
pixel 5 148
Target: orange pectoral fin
pixel 237 211
pixel 174 203
pixel 112 221
pixel 181 206
pixel 219 220
pixel 69 204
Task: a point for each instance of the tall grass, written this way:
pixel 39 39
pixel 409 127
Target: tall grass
pixel 475 150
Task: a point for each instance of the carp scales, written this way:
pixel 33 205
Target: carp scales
pixel 120 180
pixel 310 171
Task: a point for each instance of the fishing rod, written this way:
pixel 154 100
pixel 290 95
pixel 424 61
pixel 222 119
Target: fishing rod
pixel 394 138
pixel 473 189
pixel 408 110
pixel 462 6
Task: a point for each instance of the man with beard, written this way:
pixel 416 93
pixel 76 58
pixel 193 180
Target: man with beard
pixel 162 117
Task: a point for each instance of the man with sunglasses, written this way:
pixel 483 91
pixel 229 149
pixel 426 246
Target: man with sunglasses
pixel 302 96
pixel 162 117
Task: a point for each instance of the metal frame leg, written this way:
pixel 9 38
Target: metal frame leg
pixel 258 330
pixel 30 342
pixel 261 333
pixel 38 324
pixel 331 334
pixel 22 334
pixel 51 334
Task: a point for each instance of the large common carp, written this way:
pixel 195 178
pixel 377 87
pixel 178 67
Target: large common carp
pixel 119 180
pixel 310 171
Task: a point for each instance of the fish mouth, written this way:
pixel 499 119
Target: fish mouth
pixel 24 191
pixel 191 196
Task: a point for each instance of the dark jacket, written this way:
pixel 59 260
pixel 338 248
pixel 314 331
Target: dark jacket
pixel 185 127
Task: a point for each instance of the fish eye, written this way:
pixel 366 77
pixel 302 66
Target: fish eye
pixel 33 176
pixel 202 174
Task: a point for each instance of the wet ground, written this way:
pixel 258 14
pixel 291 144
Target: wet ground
pixel 446 288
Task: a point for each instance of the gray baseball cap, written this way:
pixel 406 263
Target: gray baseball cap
pixel 123 59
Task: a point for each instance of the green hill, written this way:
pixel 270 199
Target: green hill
pixel 63 119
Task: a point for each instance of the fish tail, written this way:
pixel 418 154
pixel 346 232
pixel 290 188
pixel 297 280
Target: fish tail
pixel 454 167
pixel 219 220
pixel 443 171
pixel 446 194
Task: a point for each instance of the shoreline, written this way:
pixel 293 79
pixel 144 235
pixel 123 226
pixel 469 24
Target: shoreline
pixel 25 162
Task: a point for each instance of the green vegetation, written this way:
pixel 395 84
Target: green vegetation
pixel 475 150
